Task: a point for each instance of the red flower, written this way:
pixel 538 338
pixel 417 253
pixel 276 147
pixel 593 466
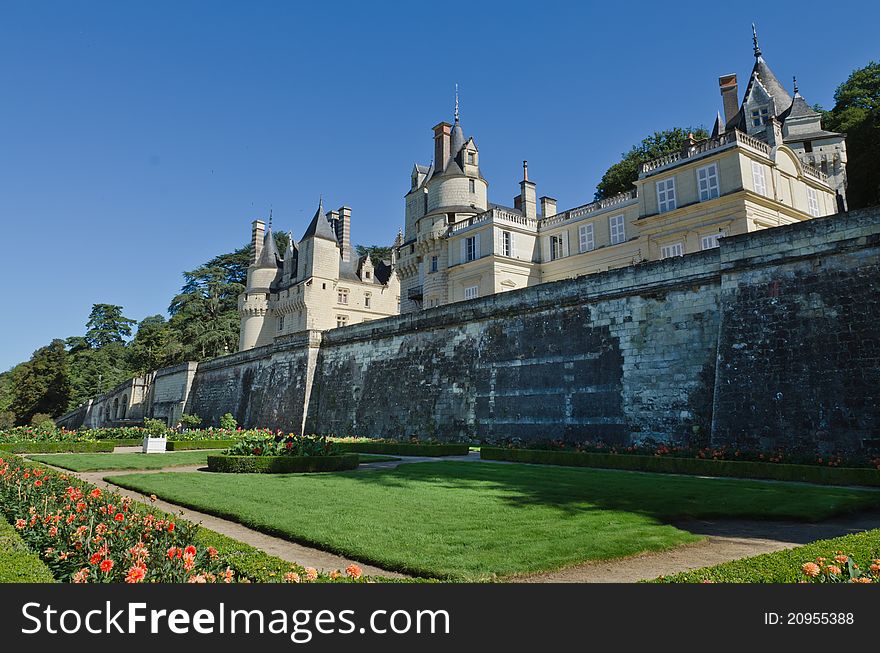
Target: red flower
pixel 212 552
pixel 136 574
pixel 171 527
pixel 96 558
pixel 106 565
pixel 172 552
pixel 20 523
pixel 38 483
pixel 95 494
pixel 190 550
pixel 119 517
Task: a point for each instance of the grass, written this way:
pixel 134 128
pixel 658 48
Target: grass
pixel 376 458
pixel 476 521
pixel 86 462
pixel 784 566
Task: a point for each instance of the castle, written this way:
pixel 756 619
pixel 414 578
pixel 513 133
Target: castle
pixel 767 163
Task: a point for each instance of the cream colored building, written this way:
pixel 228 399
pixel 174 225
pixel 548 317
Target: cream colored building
pixel 318 284
pixel 753 172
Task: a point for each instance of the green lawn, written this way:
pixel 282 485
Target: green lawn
pixel 376 458
pixel 89 462
pixel 473 521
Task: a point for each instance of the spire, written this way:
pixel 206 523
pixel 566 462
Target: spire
pixel 796 92
pixel 269 257
pixel 320 227
pixel 457 132
pixel 755 41
pixel 718 128
pixel 456 103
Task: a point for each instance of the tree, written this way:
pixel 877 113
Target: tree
pixel 154 345
pixel 41 385
pixel 107 324
pixel 620 177
pixel 93 371
pixel 856 113
pixel 205 313
pixel 377 253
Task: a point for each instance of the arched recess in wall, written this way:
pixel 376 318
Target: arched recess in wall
pixel 116 408
pixel 124 407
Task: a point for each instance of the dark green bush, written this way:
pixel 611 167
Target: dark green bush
pixel 281 464
pixel 228 422
pixel 57 447
pixel 185 445
pixel 404 448
pixel 698 466
pixel 18 564
pixel 190 421
pixel 126 442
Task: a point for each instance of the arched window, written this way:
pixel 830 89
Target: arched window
pixel 124 406
pixel 116 408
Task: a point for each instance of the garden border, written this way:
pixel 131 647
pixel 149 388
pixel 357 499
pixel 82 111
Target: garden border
pixel 282 464
pixel 189 445
pixel 101 446
pixel 691 466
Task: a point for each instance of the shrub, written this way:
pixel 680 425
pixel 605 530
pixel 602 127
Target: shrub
pixel 282 464
pixel 156 428
pixel 57 447
pixel 7 420
pixel 186 445
pixel 190 421
pixel 404 448
pixel 227 422
pixel 17 563
pixel 40 419
pixel 674 465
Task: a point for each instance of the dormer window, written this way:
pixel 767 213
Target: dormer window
pixel 470 157
pixel 760 116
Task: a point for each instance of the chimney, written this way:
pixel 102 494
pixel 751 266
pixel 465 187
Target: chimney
pixel 774 132
pixel 442 145
pixel 548 206
pixel 343 232
pixel 729 95
pixel 527 195
pixel 258 232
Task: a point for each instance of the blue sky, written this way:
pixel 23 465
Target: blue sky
pixel 138 139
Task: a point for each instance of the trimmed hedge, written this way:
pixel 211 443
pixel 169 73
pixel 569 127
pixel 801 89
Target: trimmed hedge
pixel 404 448
pixel 127 442
pixel 281 464
pixel 58 447
pixel 186 445
pixel 696 466
pixel 18 564
pixel 783 566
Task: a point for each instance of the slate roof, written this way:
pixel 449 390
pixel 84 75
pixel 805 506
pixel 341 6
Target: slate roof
pixel 269 257
pixel 320 226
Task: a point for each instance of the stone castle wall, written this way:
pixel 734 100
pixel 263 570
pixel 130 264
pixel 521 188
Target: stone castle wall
pixel 769 340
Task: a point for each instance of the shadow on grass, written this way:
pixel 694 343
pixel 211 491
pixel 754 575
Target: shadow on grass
pixel 661 496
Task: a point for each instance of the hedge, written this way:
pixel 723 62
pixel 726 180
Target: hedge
pixel 185 445
pixel 404 448
pixel 281 464
pixel 698 466
pixel 783 566
pixel 126 442
pixel 18 564
pixel 58 447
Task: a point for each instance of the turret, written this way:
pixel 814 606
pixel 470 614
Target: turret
pixel 253 303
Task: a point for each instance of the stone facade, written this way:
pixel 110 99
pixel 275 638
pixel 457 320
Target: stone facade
pixel 769 339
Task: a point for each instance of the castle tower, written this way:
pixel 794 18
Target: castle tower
pixel 254 307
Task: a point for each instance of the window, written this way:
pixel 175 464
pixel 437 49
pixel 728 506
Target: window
pixel 470 158
pixel 433 264
pixel 760 116
pixel 470 248
pixel 813 202
pixel 586 238
pixel 471 292
pixel 341 320
pixel 473 185
pixel 617 228
pixel 707 181
pixel 672 249
pixel 556 247
pixel 342 296
pixel 712 240
pixel 281 323
pixel 368 274
pixel 666 195
pixel 367 300
pixel 506 243
pixel 808 146
pixel 758 179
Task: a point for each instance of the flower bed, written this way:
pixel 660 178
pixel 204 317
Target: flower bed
pixel 403 448
pixel 282 464
pixel 84 535
pixel 701 467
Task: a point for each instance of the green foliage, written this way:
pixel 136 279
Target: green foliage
pixel 41 385
pixel 7 420
pixel 106 325
pixel 283 464
pixel 155 345
pixel 377 253
pixel 782 566
pixel 43 421
pixel 228 422
pixel 190 421
pixel 283 445
pixel 619 178
pixel 183 445
pixel 5 391
pixel 856 113
pixel 404 448
pixel 156 428
pixel 17 563
pixel 697 466
pixel 93 371
pixel 56 447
